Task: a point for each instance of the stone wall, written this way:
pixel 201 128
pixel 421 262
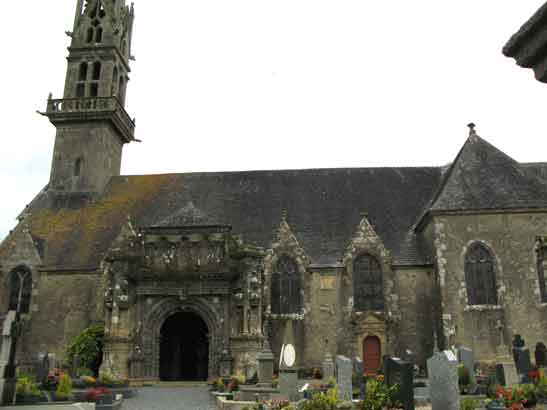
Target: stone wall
pixel 415 331
pixel 511 238
pixel 64 306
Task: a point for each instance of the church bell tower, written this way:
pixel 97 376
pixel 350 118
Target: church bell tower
pixel 91 121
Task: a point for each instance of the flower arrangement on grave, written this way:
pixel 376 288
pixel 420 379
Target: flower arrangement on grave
pixel 271 405
pixel 109 380
pixel 89 381
pixel 380 396
pixel 464 379
pixel 218 385
pixel 541 386
pixel 97 394
pixel 329 400
pixel 317 373
pixel 236 380
pixel 469 403
pixel 64 389
pixel 27 390
pixel 516 398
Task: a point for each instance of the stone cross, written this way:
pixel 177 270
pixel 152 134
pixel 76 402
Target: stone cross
pixel 443 381
pixel 7 359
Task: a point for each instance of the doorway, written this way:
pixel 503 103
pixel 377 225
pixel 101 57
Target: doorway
pixel 372 355
pixel 184 348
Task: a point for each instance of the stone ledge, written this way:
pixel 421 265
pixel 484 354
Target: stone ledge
pixel 482 308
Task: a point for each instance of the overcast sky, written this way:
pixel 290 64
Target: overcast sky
pixel 253 84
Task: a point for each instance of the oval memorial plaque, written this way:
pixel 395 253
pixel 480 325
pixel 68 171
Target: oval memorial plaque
pixel 289 355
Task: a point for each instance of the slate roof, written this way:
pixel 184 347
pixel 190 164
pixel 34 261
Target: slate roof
pixel 323 206
pixel 483 177
pixel 528 45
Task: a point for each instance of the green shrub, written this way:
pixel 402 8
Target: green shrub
pixel 88 346
pixel 27 387
pixel 541 387
pixel 469 404
pixel 380 396
pixel 323 401
pixel 64 389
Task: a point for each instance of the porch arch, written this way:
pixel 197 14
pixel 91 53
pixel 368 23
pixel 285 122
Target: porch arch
pixel 156 317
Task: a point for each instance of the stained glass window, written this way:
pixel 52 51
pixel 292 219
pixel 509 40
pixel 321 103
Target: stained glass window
pixel 480 277
pixel 368 288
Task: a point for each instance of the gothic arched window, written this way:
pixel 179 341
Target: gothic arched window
pixel 368 287
pixel 20 289
pixel 78 167
pixel 480 277
pixel 96 70
pixel 285 292
pixel 82 75
pixel 90 33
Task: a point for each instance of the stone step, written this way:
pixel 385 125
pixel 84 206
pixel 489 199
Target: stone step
pixel 177 384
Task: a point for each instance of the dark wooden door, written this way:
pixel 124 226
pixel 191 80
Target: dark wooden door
pixel 372 355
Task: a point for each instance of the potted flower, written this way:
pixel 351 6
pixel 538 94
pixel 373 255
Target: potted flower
pixel 27 391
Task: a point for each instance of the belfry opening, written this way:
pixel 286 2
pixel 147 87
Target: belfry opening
pixel 184 348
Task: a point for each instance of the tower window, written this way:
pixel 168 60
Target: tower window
pixel 20 288
pixel 96 71
pixel 90 33
pixel 114 81
pixel 82 76
pixel 80 90
pixel 368 288
pixel 94 90
pixel 121 89
pixel 99 35
pixel 286 287
pixel 78 167
pixel 480 277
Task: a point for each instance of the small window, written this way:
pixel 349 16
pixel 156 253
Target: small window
pixel 286 287
pixel 94 90
pixel 90 34
pixel 114 91
pixel 368 288
pixel 78 167
pixel 82 75
pixel 20 288
pixel 99 35
pixel 96 71
pixel 121 90
pixel 80 90
pixel 480 277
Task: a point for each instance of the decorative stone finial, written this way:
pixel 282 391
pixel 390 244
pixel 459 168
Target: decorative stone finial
pixel 472 131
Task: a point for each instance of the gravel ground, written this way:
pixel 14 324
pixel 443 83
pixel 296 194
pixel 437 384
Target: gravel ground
pixel 165 398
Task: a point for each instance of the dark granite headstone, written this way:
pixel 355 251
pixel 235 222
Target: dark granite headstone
pixel 518 343
pixel 467 358
pixel 541 355
pixel 523 361
pixel 358 374
pixel 41 370
pixel 401 372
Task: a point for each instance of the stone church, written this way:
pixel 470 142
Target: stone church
pixel 190 273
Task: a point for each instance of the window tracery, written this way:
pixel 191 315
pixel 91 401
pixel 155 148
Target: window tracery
pixel 368 289
pixel 286 287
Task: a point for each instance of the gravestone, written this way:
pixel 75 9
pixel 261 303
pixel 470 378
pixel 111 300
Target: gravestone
pixel 524 363
pixel 42 368
pixel 467 358
pixel 506 374
pixel 358 373
pixel 75 367
pixel 265 365
pixel 443 381
pixel 288 376
pixel 7 359
pixel 344 370
pixel 328 367
pixel 540 355
pixel 401 372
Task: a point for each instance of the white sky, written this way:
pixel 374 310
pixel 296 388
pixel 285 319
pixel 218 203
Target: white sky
pixel 255 84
